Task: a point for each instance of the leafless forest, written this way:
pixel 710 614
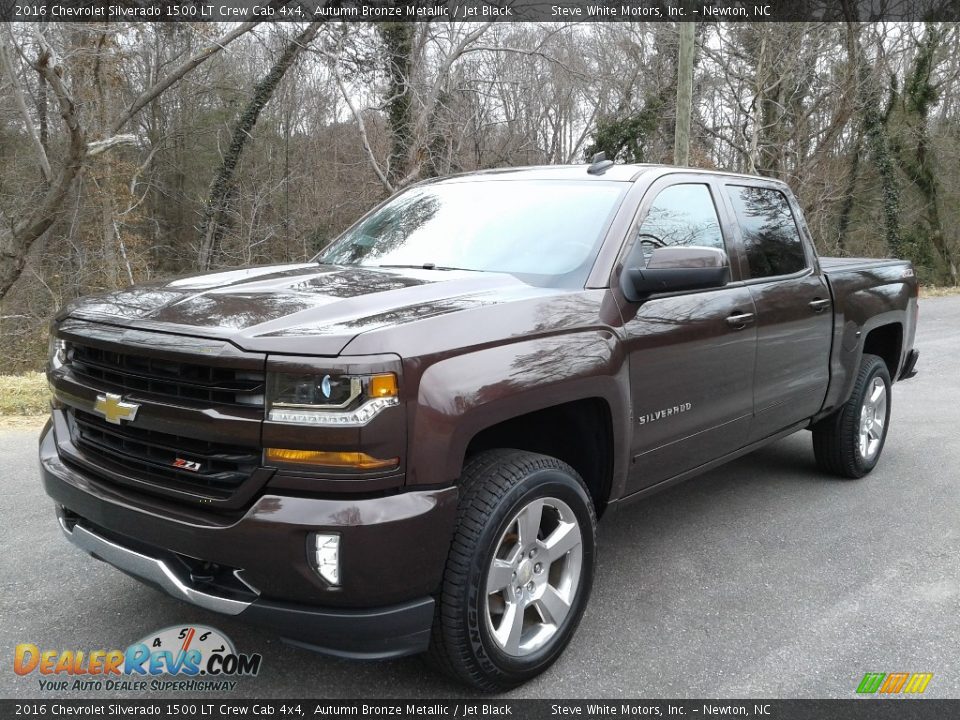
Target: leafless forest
pixel 135 152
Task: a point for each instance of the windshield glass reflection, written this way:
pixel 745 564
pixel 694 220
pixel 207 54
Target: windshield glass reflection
pixel 544 231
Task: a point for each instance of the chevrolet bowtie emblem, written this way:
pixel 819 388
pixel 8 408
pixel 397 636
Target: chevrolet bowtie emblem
pixel 114 409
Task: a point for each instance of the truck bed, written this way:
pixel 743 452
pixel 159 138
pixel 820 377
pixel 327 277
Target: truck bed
pixel 828 264
pixel 867 293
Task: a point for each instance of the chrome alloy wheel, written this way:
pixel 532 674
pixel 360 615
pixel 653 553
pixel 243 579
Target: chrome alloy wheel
pixel 873 415
pixel 534 576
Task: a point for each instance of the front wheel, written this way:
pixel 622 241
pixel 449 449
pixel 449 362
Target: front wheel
pixel 519 572
pixel 848 442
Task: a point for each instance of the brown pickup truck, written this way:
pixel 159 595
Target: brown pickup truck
pixel 404 445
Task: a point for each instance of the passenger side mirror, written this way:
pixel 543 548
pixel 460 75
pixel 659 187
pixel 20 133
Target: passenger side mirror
pixel 673 269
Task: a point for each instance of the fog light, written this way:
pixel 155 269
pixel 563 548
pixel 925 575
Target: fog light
pixel 326 548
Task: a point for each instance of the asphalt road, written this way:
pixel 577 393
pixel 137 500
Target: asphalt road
pixel 760 579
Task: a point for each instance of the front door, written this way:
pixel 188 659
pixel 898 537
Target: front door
pixel 691 354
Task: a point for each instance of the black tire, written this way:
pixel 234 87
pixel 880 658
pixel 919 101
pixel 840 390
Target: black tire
pixel 495 486
pixel 836 438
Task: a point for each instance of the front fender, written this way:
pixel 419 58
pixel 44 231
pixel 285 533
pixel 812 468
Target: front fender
pixel 460 396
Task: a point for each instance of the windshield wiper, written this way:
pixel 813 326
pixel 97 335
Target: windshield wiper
pixel 429 266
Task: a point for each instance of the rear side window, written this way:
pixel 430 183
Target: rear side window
pixel 681 215
pixel 770 236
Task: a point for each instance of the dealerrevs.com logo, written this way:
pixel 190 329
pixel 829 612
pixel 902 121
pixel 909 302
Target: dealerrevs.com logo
pixel 894 683
pixel 199 657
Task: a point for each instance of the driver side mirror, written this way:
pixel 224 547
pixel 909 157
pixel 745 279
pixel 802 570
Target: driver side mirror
pixel 674 269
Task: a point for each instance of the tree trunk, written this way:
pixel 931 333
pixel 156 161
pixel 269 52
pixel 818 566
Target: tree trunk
pixel 875 134
pixel 398 42
pixel 846 207
pixel 875 130
pixel 681 139
pixel 921 94
pixel 222 187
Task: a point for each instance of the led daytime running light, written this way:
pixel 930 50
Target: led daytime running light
pixel 352 418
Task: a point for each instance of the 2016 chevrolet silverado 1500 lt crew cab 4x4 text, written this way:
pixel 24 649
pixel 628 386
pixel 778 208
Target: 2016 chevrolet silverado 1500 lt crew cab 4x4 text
pixel 405 444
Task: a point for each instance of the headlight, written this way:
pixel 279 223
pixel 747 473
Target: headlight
pixel 56 353
pixel 329 399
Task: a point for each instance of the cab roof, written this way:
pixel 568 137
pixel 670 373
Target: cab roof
pixel 615 173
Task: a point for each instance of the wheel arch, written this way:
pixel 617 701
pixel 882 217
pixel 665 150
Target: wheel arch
pixel 506 395
pixel 886 342
pixel 578 432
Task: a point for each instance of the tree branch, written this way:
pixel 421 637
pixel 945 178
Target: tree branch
pixel 419 140
pixel 177 74
pixel 101 146
pixel 15 246
pixel 361 126
pixel 24 113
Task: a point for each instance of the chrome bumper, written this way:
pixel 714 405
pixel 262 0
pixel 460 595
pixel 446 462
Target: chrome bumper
pixel 148 569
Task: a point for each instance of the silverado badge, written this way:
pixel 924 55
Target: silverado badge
pixel 114 409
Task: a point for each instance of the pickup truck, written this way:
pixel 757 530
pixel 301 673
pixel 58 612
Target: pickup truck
pixel 404 445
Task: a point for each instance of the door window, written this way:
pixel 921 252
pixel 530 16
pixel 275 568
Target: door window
pixel 681 215
pixel 771 240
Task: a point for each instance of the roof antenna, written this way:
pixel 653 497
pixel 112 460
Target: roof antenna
pixel 599 165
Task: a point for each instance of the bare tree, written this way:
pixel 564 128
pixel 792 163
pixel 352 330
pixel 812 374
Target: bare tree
pixel 16 241
pixel 152 160
pixel 222 186
pixel 413 96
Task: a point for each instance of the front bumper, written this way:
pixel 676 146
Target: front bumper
pixel 256 567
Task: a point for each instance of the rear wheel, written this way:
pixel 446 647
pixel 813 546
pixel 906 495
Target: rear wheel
pixel 848 442
pixel 519 572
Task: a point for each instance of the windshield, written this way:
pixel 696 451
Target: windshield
pixel 547 232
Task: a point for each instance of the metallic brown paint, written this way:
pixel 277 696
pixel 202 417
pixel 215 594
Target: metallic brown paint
pixel 470 350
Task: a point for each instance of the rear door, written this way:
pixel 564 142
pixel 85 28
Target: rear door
pixel 793 306
pixel 691 354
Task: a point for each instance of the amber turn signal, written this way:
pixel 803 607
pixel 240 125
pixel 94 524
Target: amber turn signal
pixel 383 385
pixel 322 458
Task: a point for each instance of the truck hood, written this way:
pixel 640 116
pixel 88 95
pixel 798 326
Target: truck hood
pixel 305 308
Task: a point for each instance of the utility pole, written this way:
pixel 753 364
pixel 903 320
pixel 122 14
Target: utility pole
pixel 681 137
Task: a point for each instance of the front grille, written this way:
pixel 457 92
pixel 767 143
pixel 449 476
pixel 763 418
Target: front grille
pixel 181 381
pixel 149 456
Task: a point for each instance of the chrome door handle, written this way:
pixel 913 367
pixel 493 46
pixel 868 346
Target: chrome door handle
pixel 740 320
pixel 819 305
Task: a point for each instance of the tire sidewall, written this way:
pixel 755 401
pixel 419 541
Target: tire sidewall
pixel 879 370
pixel 494 662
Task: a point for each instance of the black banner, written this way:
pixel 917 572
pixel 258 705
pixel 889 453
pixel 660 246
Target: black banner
pixel 479 10
pixel 201 709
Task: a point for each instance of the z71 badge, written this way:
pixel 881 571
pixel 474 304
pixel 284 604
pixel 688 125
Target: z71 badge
pixel 191 465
